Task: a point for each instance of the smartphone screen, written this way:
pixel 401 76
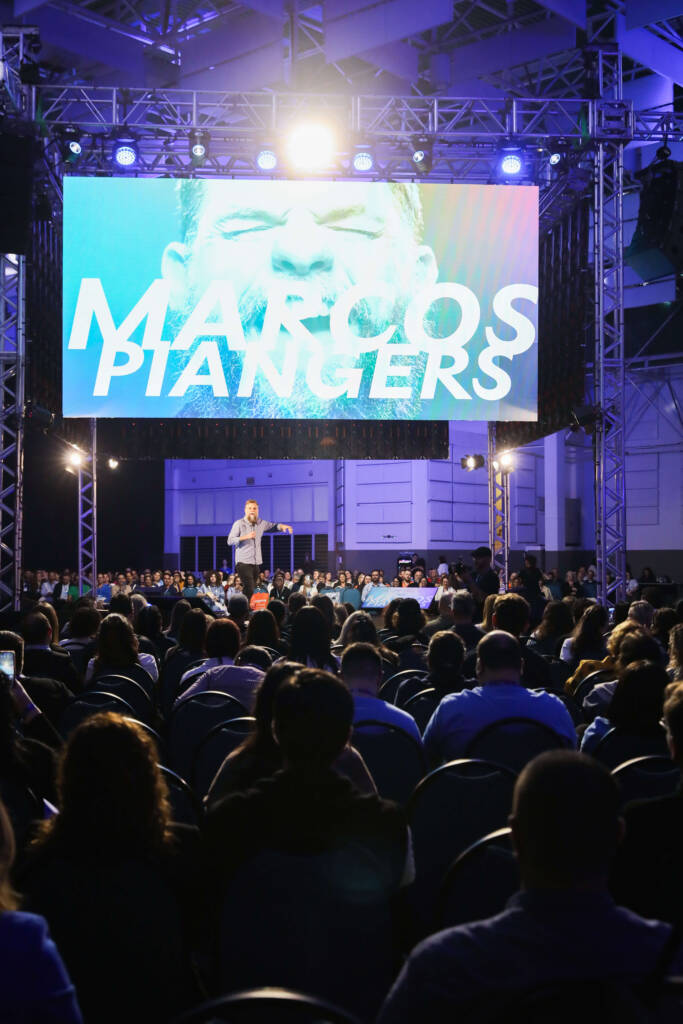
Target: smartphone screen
pixel 6 669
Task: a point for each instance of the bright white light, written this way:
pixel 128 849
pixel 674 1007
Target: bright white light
pixel 363 161
pixel 471 462
pixel 267 160
pixel 75 147
pixel 554 159
pixel 199 150
pixel 418 156
pixel 506 460
pixel 75 458
pixel 311 146
pixel 113 463
pixel 125 154
pixel 511 164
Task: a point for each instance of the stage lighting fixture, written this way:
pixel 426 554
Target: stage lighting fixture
pixel 113 463
pixel 75 458
pixel 125 153
pixel 505 463
pixel 311 146
pixel 554 159
pixel 422 154
pixel 70 145
pixel 510 162
pixel 199 147
pixel 363 160
pixel 470 462
pixel 266 159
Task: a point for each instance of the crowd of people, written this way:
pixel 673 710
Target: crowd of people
pixel 194 797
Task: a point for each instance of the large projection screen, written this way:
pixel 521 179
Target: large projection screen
pixel 299 300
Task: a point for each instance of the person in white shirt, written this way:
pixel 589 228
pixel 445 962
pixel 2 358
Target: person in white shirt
pixel 444 588
pixel 373 580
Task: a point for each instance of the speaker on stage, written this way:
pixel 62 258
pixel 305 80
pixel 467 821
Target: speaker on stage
pixel 656 249
pixel 17 154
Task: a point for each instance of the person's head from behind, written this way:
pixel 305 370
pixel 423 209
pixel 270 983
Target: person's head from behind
pixel 310 638
pixel 636 704
pixel 149 621
pixel 361 667
pixel 326 606
pixel 84 623
pixel 122 605
pixel 117 644
pixel 642 613
pixel 8 898
pixel 312 717
pixel 487 612
pixel 222 639
pixel 295 603
pixel 238 608
pixel 511 614
pixel 112 795
pixel 673 720
pixel 192 634
pixel 389 612
pixel 409 619
pixel 588 632
pixel 638 646
pixel 358 628
pixel 556 621
pixel 180 610
pixel 565 821
pixel 36 630
pixel 499 658
pixel 663 622
pixel 676 650
pixel 462 607
pixel 278 610
pixel 446 655
pixel 263 629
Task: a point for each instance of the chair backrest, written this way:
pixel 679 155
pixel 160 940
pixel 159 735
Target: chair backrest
pixel 301 919
pixel 589 682
pixel 190 676
pixel 395 758
pixel 618 746
pixel 162 756
pixel 389 687
pixel 23 807
pixel 90 703
pixel 185 805
pixel 215 747
pixel 275 655
pixel 133 693
pixel 560 671
pixel 275 1005
pixel 190 722
pixel 409 687
pixel 174 669
pixel 480 881
pixel 451 808
pixel 422 706
pixel 643 777
pixel 514 742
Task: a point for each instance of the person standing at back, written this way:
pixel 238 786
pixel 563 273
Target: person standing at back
pixel 245 536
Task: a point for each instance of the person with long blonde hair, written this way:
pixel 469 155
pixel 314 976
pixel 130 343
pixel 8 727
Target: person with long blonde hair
pixel 34 984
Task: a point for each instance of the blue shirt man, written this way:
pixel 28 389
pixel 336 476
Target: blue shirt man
pixel 361 669
pixel 500 694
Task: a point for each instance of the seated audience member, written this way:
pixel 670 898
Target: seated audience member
pixel 642 613
pixel 65 590
pixel 445 659
pixel 190 650
pixel 117 653
pixel 168 587
pixel 371 581
pixel 308 808
pixel 279 611
pixel 260 756
pixel 511 614
pixel 360 628
pixel 309 641
pixel 238 610
pixel 486 624
pixel 52 696
pixel 675 666
pixel 41 659
pixel 279 590
pixel 555 626
pixel 463 610
pixel 221 673
pixel 499 693
pixel 148 626
pixel 178 613
pixel 409 623
pixel 263 631
pixel 562 926
pixel 444 587
pixel 122 586
pixel 212 590
pixel 646 874
pixel 108 872
pixel 663 622
pixel 191 588
pixel 587 641
pixel 80 643
pixel 130 605
pixel 327 606
pixel 103 587
pixel 27 749
pixel 444 618
pixel 34 984
pixel 607 663
pixel 361 670
pixel 635 707
pixel 636 646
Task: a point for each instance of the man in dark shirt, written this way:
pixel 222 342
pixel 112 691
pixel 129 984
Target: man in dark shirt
pixel 51 695
pixel 646 874
pixel 40 659
pixel 482 580
pixel 562 926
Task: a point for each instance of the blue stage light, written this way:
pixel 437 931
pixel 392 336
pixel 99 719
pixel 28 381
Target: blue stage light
pixel 554 159
pixel 363 161
pixel 511 164
pixel 266 159
pixel 125 153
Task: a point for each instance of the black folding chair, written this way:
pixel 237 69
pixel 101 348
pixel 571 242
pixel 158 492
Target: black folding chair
pixel 645 777
pixel 274 1005
pixel 618 746
pixel 90 703
pixel 130 691
pixel 215 747
pixel 514 742
pixel 409 687
pixel 162 756
pixel 389 687
pixel 185 805
pixel 190 676
pixel 590 682
pixel 192 719
pixel 480 881
pixel 395 758
pixel 451 808
pixel 422 706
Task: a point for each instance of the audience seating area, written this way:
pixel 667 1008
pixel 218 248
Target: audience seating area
pixel 374 780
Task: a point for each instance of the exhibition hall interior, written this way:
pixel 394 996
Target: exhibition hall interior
pixel 341 505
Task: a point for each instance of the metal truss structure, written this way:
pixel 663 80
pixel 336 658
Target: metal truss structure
pixel 12 382
pixel 87 516
pixel 499 510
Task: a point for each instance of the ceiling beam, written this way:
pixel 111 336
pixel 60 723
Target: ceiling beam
pixel 511 49
pixel 399 59
pixel 646 12
pixel 570 10
pixel 650 51
pixel 244 43
pixel 354 26
pixel 85 39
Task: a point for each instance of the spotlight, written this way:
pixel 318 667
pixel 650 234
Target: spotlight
pixel 422 154
pixel 505 463
pixel 510 163
pixel 199 147
pixel 125 153
pixel 266 159
pixel 113 463
pixel 70 145
pixel 470 462
pixel 363 160
pixel 554 159
pixel 75 458
pixel 311 146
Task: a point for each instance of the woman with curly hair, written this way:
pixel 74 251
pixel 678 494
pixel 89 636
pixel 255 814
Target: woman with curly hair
pixel 107 873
